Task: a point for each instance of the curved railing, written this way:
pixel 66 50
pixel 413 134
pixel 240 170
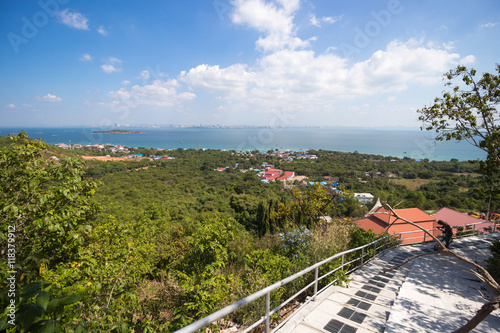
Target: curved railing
pixel 379 246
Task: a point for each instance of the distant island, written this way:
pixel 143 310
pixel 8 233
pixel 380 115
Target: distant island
pixel 117 132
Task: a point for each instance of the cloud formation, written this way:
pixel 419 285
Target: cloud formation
pixel 101 30
pixel 73 19
pixel 488 25
pixel 305 77
pixel 232 81
pixel 86 57
pixel 157 93
pixel 48 98
pixel 112 65
pixel 274 19
pixel 290 74
pixel 326 19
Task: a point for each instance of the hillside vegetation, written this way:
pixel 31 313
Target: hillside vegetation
pixel 152 245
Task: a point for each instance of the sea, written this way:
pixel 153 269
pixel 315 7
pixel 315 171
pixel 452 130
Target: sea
pixel 383 142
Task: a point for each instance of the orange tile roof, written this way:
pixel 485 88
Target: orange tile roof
pixel 380 222
pixel 373 223
pixel 412 214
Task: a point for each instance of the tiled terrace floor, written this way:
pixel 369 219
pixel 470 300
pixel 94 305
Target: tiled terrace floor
pixel 432 293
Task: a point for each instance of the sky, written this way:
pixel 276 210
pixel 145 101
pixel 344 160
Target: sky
pixel 365 63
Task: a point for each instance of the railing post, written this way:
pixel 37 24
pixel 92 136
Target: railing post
pixel 342 262
pixel 474 230
pixel 316 271
pixel 268 306
pixel 362 255
pixel 425 234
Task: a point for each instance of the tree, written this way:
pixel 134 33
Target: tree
pixel 469 112
pixel 45 202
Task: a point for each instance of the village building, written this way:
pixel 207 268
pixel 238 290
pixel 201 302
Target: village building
pixel 364 198
pixel 380 221
pixel 454 219
pixel 271 174
pixel 287 176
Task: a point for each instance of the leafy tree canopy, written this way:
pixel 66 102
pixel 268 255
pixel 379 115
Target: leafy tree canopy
pixel 45 200
pixel 469 112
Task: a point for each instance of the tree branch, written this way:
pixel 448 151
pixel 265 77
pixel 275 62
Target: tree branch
pixel 481 273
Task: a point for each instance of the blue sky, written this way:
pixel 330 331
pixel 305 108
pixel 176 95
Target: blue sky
pixel 236 62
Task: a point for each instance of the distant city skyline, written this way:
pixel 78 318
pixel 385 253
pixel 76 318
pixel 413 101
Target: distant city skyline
pixel 272 63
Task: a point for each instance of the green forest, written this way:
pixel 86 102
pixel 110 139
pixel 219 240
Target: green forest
pixel 144 245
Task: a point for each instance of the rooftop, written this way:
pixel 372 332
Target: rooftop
pixel 381 221
pixel 454 218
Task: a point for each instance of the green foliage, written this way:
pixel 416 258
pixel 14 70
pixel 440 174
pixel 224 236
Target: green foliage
pixel 37 310
pixel 306 208
pixel 178 240
pixel 46 201
pixel 493 263
pixel 470 112
pixel 45 204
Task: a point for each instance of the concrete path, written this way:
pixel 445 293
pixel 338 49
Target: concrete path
pixel 432 293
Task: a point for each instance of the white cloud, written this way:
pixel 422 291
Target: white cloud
pixel 312 82
pixel 158 93
pixel 108 69
pixel 102 31
pixel 488 25
pixel 402 63
pixel 232 80
pixel 326 19
pixel 49 98
pixel 125 83
pixel 468 60
pixel 10 106
pixel 112 65
pixel 332 19
pixel 86 57
pixel 314 21
pixel 272 18
pixel 73 19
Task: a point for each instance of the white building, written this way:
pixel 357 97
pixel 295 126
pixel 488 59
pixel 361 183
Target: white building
pixel 364 198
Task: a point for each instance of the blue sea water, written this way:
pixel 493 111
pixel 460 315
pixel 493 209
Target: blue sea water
pixel 395 143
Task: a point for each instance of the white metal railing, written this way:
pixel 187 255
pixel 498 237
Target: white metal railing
pixel 387 242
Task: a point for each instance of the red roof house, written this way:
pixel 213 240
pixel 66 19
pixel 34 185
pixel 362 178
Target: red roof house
pixel 379 221
pixel 272 174
pixel 454 219
pixel 286 176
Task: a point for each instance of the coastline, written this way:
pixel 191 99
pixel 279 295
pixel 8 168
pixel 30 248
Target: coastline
pixel 391 143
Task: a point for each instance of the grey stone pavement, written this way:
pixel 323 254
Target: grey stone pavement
pixel 432 293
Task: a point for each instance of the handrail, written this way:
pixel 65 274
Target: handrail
pixel 267 291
